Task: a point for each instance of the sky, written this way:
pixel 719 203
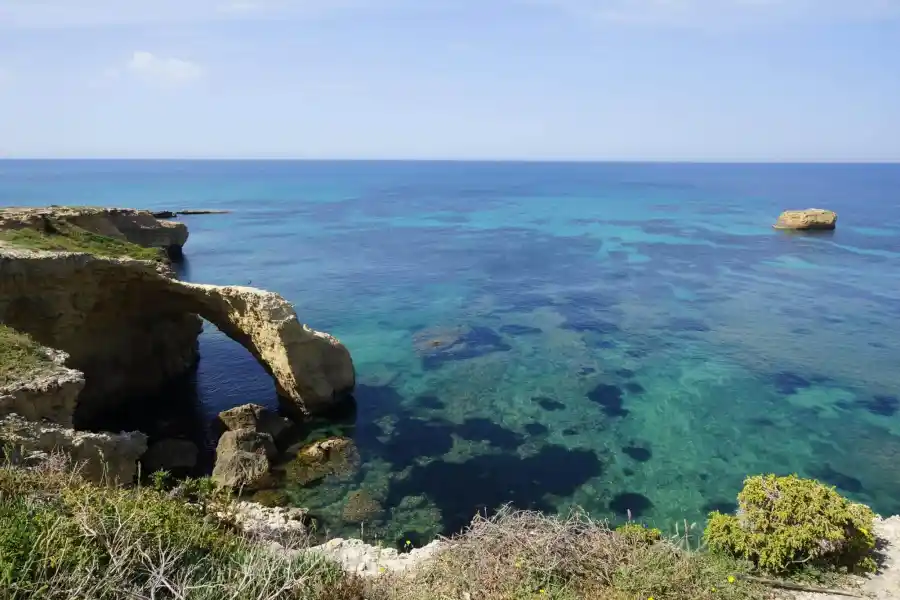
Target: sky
pixel 685 80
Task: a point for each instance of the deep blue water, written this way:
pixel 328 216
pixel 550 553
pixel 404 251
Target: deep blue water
pixel 636 336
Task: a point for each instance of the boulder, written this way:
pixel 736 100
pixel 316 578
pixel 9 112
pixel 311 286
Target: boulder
pixel 102 457
pixel 278 524
pixel 333 456
pixel 809 219
pixel 256 418
pixel 243 459
pixel 170 455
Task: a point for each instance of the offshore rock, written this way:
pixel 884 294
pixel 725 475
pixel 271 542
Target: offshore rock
pixel 809 219
pixel 102 457
pixel 337 457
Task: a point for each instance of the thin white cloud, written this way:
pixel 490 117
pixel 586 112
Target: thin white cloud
pixel 693 12
pixel 155 69
pixel 36 14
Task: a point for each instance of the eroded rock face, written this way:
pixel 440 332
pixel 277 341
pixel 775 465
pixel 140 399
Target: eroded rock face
pixel 257 418
pixel 130 328
pixel 50 395
pixel 103 457
pixel 809 219
pixel 243 459
pixel 136 226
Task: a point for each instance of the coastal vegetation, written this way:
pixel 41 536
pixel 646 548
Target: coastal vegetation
pixel 58 235
pixel 62 537
pixel 20 356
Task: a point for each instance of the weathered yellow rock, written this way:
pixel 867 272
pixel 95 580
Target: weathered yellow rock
pixel 129 327
pixel 811 218
pixel 49 395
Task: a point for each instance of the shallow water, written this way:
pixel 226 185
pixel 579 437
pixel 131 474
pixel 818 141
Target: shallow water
pixel 629 337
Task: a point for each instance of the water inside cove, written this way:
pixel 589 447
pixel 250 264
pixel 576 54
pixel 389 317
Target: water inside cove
pixel 616 336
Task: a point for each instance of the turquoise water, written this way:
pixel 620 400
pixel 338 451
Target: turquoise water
pixel 636 336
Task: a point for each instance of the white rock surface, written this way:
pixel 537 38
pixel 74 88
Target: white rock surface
pixel 355 556
pixel 884 585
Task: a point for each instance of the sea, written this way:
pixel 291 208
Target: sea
pixel 631 339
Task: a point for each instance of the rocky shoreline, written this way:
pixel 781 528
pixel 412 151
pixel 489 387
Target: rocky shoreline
pixel 96 290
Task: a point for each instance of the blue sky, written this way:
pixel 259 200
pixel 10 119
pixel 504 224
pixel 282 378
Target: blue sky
pixel 519 79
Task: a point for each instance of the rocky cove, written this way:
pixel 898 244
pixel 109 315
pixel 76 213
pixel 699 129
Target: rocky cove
pixel 91 297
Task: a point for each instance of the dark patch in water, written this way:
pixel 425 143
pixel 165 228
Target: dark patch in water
pixel 838 479
pixel 427 401
pixel 606 344
pixel 625 373
pixel 628 472
pixel 801 331
pixel 704 476
pixel 587 370
pixel 789 383
pixel 638 453
pixel 636 353
pixel 634 388
pixel 638 504
pixel 520 330
pixel 416 438
pixel 762 422
pixel 609 397
pixel 535 429
pixel 726 507
pixel 484 430
pixel 688 324
pixel 484 483
pixel 883 406
pixel 570 431
pixel 461 344
pixel 549 404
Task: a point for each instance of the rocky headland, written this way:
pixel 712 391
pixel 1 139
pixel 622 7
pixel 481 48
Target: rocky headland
pixel 91 305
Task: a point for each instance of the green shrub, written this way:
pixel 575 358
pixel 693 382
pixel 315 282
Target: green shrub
pixel 639 534
pixel 784 523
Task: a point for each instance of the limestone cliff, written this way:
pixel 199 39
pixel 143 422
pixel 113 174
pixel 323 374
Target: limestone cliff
pixel 130 327
pixel 46 395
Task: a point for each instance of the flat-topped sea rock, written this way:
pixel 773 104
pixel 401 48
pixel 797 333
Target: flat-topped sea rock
pixel 809 219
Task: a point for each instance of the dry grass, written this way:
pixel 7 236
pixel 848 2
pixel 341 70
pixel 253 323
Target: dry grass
pixel 526 555
pixel 20 356
pixel 61 538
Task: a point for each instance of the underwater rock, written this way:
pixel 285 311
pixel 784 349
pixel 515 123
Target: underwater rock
pixel 361 507
pixel 437 345
pixel 333 456
pixel 170 455
pixel 270 498
pixel 809 219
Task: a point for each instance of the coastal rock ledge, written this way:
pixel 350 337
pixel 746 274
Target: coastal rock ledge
pixel 129 326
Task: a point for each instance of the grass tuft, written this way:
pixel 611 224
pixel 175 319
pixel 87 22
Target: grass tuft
pixel 20 356
pixel 61 236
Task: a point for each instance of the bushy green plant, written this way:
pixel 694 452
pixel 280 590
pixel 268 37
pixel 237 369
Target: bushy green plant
pixel 787 522
pixel 20 355
pixel 639 534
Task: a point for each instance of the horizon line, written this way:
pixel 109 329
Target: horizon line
pixel 461 160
